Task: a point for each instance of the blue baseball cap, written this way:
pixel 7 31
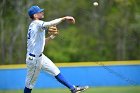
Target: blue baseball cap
pixel 34 9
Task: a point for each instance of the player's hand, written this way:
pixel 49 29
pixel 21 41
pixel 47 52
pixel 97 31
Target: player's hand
pixel 53 31
pixel 70 19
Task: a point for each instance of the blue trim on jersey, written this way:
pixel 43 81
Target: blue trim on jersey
pixel 46 30
pixel 42 24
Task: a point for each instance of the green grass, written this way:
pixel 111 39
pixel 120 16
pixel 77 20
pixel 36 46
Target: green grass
pixel 90 90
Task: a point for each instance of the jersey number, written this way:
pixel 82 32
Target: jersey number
pixel 29 34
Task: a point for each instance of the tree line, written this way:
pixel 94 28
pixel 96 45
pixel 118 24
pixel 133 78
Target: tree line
pixel 107 32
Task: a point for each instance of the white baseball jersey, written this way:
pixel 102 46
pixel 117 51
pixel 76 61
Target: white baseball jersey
pixel 36 35
pixel 36 38
pixel 35 46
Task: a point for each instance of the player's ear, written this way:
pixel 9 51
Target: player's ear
pixel 35 15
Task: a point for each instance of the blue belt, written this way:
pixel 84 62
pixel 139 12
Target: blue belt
pixel 35 55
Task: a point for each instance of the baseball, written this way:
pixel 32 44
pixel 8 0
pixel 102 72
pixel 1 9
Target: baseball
pixel 95 3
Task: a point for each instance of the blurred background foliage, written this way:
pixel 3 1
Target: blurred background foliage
pixel 107 32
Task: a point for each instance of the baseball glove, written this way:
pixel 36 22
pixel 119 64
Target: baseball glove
pixel 53 30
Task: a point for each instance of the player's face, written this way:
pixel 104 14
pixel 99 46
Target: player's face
pixel 39 15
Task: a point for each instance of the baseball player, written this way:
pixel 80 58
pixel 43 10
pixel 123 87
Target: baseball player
pixel 35 59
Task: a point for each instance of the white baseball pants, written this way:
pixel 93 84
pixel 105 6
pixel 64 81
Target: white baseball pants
pixel 35 65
